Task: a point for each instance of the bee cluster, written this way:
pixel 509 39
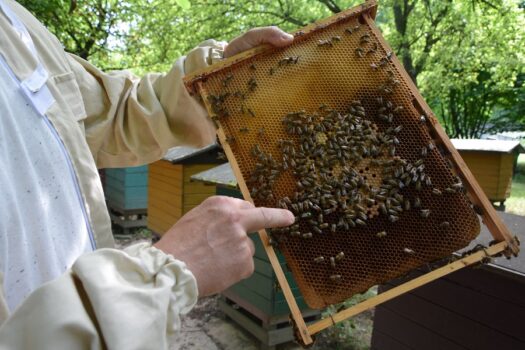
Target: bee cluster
pixel 346 171
pixel 344 164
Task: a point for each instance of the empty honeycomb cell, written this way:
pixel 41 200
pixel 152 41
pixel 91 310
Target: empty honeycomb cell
pixel 327 128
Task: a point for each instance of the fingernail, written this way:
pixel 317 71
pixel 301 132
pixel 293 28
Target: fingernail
pixel 286 37
pixel 291 217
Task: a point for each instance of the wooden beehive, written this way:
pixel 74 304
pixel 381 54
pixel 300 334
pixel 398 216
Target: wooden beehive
pixel 492 163
pixel 126 189
pixel 170 191
pixel 332 128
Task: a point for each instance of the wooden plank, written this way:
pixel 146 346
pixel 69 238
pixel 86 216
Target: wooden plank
pixel 449 325
pixel 192 169
pixel 511 290
pixel 198 188
pixel 175 172
pixel 409 333
pixel 167 179
pixel 489 215
pixel 161 193
pixel 158 225
pixel 382 341
pixel 474 307
pixel 408 286
pixel 165 164
pixel 195 199
pixel 166 210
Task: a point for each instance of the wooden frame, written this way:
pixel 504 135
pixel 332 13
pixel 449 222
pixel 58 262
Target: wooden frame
pixel 507 244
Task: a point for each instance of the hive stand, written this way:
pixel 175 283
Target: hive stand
pixel 505 243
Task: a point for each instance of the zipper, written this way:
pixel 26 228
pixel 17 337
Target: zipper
pixel 74 177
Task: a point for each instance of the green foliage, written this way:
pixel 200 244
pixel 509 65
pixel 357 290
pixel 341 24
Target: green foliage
pixel 466 56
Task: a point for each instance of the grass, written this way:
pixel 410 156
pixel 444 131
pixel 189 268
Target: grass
pixel 516 202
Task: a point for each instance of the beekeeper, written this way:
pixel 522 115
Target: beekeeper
pixel 60 119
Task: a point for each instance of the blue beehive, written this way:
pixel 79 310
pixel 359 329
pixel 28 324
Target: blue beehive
pixel 127 188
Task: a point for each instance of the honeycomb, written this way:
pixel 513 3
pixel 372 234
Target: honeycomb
pixel 328 128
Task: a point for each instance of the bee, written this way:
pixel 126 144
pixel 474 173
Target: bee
pixel 424 152
pixel 244 129
pixel 425 213
pixel 392 151
pixel 359 51
pixel 252 114
pixel 230 139
pixel 271 71
pixel 260 132
pixel 317 230
pixel 450 190
pixel 406 204
pixel 332 262
pixel 444 224
pixel 319 259
pixel 307 235
pixel 408 251
pixel 348 30
pixel 364 39
pixel 227 80
pixel 340 256
pixel 393 218
pixel 252 84
pixel 431 146
pixel 336 38
pixel 333 228
pixel 335 277
pixel 253 67
pixel 457 186
pixel 221 156
pixel 360 222
pixel 381 234
pixel 325 42
pixel 423 119
pixel 398 109
pixel 417 202
pixel 324 225
pixel 437 192
pixel 295 233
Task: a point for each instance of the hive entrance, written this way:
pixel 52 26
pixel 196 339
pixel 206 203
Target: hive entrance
pixel 329 128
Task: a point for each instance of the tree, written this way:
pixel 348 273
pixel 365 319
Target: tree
pixel 84 27
pixel 464 55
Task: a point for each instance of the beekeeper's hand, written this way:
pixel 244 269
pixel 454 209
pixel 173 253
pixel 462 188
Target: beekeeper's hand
pixel 212 240
pixel 257 36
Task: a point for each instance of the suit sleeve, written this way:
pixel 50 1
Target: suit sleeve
pixel 110 299
pixel 132 121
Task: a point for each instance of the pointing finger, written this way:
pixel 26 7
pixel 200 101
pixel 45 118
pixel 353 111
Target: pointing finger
pixel 259 218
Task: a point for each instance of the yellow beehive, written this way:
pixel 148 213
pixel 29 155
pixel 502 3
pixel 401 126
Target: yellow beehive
pixel 170 192
pixel 492 163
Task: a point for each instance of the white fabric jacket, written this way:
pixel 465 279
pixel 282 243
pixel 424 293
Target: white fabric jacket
pixel 116 299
